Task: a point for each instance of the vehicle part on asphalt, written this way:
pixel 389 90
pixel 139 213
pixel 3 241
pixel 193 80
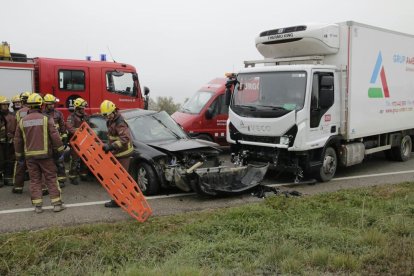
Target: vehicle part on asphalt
pixel 263 191
pixel 212 181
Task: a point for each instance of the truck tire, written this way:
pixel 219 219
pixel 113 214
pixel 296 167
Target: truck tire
pixel 205 137
pixel 147 179
pixel 403 151
pixel 329 165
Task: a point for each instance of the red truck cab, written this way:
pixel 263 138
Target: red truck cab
pixel 93 81
pixel 205 114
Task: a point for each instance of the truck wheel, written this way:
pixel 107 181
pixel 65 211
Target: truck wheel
pixel 205 137
pixel 147 179
pixel 403 151
pixel 329 165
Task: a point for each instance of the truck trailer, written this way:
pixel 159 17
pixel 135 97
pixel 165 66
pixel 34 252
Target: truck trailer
pixel 323 96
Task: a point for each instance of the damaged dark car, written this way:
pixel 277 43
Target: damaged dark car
pixel 164 155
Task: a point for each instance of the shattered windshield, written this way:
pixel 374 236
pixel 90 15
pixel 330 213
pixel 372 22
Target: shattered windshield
pixel 196 103
pixel 155 127
pixel 270 90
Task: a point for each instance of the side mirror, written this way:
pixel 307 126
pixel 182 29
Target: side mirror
pixel 134 76
pixel 228 96
pixel 146 90
pixel 209 113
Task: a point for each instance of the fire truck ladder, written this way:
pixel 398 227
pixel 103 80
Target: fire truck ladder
pixel 110 173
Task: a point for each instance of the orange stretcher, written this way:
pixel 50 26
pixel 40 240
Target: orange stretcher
pixel 110 173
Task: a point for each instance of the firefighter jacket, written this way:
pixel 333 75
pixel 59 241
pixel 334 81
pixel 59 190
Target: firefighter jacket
pixel 7 127
pixel 36 137
pixel 119 136
pixel 21 113
pixel 74 121
pixel 57 117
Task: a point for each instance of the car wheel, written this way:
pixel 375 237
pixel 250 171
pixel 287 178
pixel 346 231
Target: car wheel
pixel 147 179
pixel 329 165
pixel 205 137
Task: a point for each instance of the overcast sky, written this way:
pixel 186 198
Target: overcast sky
pixel 177 45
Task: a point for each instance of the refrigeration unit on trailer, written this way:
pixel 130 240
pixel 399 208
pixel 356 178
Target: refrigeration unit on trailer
pixel 323 96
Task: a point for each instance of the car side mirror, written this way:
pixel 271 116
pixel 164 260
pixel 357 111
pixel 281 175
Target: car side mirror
pixel 146 90
pixel 209 113
pixel 326 98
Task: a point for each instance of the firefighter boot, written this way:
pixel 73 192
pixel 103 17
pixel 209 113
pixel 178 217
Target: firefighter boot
pixel 38 209
pixel 111 204
pixel 17 190
pixel 58 207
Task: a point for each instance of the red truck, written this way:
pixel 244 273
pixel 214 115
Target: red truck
pixel 205 114
pixel 67 79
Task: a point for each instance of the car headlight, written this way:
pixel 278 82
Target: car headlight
pixel 284 140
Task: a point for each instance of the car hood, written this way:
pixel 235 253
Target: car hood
pixel 184 119
pixel 183 144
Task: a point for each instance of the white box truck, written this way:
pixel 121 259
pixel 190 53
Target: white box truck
pixel 324 96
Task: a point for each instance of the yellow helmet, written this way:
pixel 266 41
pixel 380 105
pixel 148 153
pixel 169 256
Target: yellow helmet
pixel 25 95
pixel 107 107
pixel 16 99
pixel 34 100
pixel 50 99
pixel 4 100
pixel 80 103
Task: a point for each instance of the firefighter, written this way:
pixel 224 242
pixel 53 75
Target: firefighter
pixel 20 167
pixel 119 135
pixel 16 103
pixel 77 168
pixel 38 142
pixel 57 116
pixel 6 140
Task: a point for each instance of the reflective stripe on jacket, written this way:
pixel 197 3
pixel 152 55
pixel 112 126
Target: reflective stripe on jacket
pixel 36 137
pixel 119 136
pixel 21 113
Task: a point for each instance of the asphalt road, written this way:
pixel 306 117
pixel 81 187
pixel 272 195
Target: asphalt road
pixel 85 201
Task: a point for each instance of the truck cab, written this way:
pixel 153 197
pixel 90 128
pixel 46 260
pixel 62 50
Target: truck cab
pixel 205 114
pixel 93 81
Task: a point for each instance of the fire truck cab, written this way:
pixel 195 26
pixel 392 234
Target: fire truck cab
pixel 67 80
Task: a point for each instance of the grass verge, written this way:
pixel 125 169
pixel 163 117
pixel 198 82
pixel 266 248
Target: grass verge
pixel 364 231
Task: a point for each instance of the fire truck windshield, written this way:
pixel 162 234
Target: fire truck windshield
pixel 266 91
pixel 196 103
pixel 121 83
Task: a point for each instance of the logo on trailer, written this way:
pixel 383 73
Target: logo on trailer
pixel 378 92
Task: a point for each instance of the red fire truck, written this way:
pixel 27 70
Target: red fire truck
pixel 205 114
pixel 67 79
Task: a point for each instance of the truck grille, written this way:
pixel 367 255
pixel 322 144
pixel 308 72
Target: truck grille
pixel 283 30
pixel 253 138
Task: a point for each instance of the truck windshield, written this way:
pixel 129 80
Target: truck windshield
pixel 196 103
pixel 267 91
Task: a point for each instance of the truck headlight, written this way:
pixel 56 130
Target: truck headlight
pixel 285 140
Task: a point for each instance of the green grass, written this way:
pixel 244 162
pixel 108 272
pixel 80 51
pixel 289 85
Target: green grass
pixel 363 232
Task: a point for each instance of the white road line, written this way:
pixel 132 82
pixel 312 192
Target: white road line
pixel 348 177
pixel 21 210
pixel 11 211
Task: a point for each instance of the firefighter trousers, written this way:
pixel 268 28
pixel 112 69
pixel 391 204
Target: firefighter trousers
pixel 76 167
pixel 61 171
pixel 19 174
pixel 7 162
pixel 46 168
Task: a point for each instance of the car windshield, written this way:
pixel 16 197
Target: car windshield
pixel 155 127
pixel 196 103
pixel 277 90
